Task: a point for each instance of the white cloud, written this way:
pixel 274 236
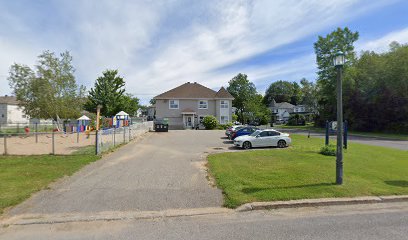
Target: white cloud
pixel 157 45
pixel 382 44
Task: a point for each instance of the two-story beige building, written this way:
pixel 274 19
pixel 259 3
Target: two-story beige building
pixel 186 105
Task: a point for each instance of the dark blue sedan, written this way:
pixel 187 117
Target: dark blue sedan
pixel 243 131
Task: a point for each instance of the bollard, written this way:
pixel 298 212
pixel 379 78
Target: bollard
pixel 327 133
pixel 5 144
pixel 53 142
pixel 129 135
pixel 345 134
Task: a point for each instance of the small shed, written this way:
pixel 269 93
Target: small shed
pixel 83 123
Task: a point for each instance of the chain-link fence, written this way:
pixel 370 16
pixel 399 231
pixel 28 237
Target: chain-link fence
pixel 65 139
pixel 109 138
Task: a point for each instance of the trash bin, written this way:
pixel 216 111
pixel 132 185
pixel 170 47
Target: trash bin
pixel 161 125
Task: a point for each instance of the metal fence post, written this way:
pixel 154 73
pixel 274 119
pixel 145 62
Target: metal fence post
pixel 53 142
pixel 97 142
pixel 130 136
pixel 124 134
pixel 114 136
pixel 5 144
pixel 36 132
pixel 77 132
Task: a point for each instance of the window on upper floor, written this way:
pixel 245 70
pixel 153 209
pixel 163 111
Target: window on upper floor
pixel 174 104
pixel 224 104
pixel 203 104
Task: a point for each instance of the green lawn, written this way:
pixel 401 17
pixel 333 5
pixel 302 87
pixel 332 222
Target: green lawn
pixel 301 172
pixel 396 136
pixel 20 176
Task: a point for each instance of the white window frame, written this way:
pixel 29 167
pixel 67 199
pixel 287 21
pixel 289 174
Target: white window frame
pixel 224 104
pixel 226 119
pixel 204 101
pixel 174 103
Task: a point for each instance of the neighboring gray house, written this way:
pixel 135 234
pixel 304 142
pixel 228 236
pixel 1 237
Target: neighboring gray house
pixel 11 112
pixel 186 105
pixel 282 110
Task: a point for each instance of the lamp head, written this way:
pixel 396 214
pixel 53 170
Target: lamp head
pixel 339 59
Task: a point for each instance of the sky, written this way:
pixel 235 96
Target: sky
pixel 159 44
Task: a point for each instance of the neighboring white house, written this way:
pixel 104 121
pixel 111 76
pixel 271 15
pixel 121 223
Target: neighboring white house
pixel 11 113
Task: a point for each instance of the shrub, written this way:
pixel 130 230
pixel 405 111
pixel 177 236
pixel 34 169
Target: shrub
pixel 295 120
pixel 328 150
pixel 210 122
pixel 224 126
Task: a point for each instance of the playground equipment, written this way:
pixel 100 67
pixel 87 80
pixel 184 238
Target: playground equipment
pixel 83 124
pixel 120 119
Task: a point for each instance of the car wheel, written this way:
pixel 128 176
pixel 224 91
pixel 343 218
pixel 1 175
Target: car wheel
pixel 281 144
pixel 246 145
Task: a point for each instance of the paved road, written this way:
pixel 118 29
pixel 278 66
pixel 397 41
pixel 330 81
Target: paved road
pixel 363 222
pixel 382 142
pixel 161 171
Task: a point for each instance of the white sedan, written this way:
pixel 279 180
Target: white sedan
pixel 263 138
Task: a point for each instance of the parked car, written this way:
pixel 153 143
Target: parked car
pixel 232 129
pixel 263 138
pixel 243 131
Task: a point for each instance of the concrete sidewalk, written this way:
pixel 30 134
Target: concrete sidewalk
pixel 161 171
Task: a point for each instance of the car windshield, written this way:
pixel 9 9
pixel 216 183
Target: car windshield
pixel 255 133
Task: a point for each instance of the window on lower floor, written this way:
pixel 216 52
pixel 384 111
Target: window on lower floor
pixel 224 119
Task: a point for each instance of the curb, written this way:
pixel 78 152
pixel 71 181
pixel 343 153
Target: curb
pixel 320 202
pixel 30 219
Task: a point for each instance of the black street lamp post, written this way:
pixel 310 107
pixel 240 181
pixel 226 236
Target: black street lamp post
pixel 339 61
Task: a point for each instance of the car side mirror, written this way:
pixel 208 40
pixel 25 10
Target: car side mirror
pixel 257 136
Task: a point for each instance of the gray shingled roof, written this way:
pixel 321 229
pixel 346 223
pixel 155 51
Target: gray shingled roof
pixel 11 100
pixel 284 105
pixel 193 91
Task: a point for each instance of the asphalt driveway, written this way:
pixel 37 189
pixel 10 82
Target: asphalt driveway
pixel 161 171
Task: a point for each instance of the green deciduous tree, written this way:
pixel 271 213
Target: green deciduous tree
pixel 325 49
pixel 50 90
pixel 242 90
pixel 129 104
pixel 257 110
pixel 281 91
pixel 309 95
pixel 376 91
